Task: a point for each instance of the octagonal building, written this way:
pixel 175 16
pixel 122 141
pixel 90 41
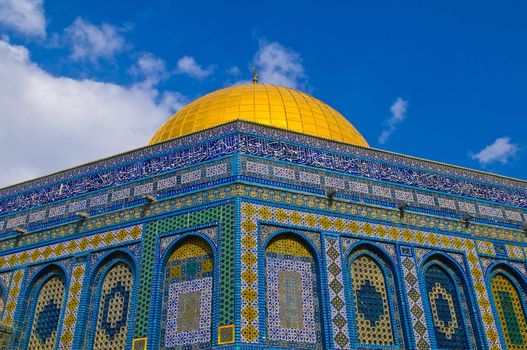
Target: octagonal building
pixel 258 217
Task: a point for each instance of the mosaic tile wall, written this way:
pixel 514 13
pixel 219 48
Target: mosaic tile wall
pixel 415 302
pixel 292 295
pixel 252 213
pixel 187 298
pixel 366 190
pixel 72 256
pixel 339 319
pixel 341 331
pixel 303 293
pixel 510 306
pixel 114 309
pixel 372 293
pixel 445 305
pixel 222 215
pixel 72 306
pixel 12 297
pixel 44 328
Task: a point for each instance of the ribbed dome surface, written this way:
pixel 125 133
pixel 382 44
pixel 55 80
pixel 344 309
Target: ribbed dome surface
pixel 265 104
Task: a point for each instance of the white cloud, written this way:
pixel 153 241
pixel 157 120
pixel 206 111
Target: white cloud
pixel 279 65
pixel 501 150
pixel 398 114
pixel 188 65
pixel 150 69
pixel 90 43
pixel 49 123
pixel 234 71
pixel 24 16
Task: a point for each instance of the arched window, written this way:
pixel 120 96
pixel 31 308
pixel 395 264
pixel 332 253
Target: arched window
pixel 451 314
pixel 44 310
pixel 509 300
pixel 187 296
pixel 292 295
pixel 110 306
pixel 375 305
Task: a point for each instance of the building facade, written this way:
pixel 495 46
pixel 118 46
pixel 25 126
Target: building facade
pixel 258 217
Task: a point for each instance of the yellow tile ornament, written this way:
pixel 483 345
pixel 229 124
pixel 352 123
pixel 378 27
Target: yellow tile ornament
pixel 72 303
pixel 139 343
pixel 60 249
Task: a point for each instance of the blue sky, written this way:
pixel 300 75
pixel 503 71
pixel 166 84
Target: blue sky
pixel 81 80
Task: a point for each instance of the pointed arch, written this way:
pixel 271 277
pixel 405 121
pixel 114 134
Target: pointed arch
pixel 188 286
pixel 375 305
pixel 452 313
pixel 109 310
pixel 293 294
pixel 510 304
pixel 44 302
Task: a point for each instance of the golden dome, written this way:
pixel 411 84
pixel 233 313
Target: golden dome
pixel 265 104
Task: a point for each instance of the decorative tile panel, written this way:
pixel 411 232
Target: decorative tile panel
pixel 45 326
pixel 249 275
pixel 511 312
pixel 381 191
pixel 468 207
pixel 359 187
pixel 77 206
pixel 425 199
pixel 36 216
pixel 514 252
pixel 167 183
pixel 187 299
pixel 144 189
pixel 415 303
pixel 490 211
pixel 215 170
pixel 120 194
pixel 292 301
pixel 337 299
pixel 114 309
pixel 309 178
pixel 448 320
pixel 18 221
pixel 284 173
pixel 513 215
pixel 72 307
pixel 190 176
pixel 373 319
pixel 247 139
pixel 99 200
pixel 334 182
pixel 404 196
pixel 486 247
pixel 258 168
pixel 56 211
pixel 446 203
pixel 12 298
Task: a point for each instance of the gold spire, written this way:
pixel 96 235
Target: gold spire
pixel 255 75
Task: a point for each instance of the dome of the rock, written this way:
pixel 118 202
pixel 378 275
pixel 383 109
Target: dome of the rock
pixel 265 104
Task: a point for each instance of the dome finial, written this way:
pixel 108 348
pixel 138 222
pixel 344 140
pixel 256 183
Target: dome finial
pixel 255 75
